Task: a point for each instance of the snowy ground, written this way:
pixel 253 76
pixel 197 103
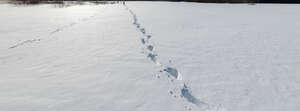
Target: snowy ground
pixel 150 56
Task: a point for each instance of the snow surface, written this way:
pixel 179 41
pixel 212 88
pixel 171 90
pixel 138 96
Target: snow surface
pixel 150 56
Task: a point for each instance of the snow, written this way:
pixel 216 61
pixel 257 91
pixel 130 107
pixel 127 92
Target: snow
pixel 150 56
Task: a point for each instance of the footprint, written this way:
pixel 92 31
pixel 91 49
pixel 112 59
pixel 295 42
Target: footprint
pixel 143 30
pixel 149 36
pixel 171 92
pixel 173 72
pixel 185 92
pixel 143 41
pixel 138 25
pixel 152 57
pixel 150 47
pixel 55 31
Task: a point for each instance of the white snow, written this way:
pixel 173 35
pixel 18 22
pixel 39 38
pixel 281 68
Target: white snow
pixel 150 56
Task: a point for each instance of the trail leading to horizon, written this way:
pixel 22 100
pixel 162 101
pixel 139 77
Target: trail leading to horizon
pixel 175 76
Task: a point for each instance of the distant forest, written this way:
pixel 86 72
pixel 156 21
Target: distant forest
pixel 206 1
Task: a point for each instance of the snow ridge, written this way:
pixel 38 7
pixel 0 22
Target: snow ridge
pixel 173 73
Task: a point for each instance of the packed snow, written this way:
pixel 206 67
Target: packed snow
pixel 150 56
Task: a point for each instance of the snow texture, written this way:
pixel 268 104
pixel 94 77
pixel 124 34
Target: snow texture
pixel 150 56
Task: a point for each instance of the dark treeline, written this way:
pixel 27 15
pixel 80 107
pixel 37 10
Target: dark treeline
pixel 34 1
pixel 206 1
pixel 246 1
pixel 279 1
pixel 60 1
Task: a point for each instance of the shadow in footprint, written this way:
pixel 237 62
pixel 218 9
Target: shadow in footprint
pixel 149 36
pixel 143 41
pixel 185 92
pixel 152 57
pixel 138 25
pixel 150 47
pixel 143 30
pixel 173 72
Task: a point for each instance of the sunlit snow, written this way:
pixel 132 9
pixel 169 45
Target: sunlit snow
pixel 150 56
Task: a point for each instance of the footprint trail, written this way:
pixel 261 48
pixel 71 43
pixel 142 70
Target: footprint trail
pixel 57 30
pixel 181 89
